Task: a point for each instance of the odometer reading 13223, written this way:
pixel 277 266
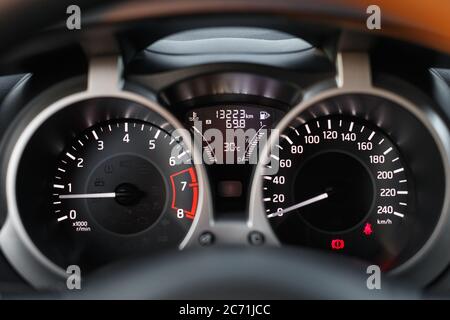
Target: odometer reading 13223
pixel 342 186
pixel 119 190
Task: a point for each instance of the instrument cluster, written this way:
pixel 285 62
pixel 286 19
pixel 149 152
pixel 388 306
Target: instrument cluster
pixel 225 158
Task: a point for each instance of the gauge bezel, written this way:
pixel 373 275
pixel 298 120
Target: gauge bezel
pixel 434 255
pixel 235 86
pixel 15 241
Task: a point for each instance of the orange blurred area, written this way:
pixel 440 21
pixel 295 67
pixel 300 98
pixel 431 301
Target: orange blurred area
pixel 427 22
pixel 418 21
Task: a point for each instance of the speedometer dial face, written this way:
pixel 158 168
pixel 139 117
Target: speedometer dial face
pixel 122 187
pixel 342 186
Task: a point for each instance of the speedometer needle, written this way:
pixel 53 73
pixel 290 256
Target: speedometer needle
pixel 299 205
pixel 88 195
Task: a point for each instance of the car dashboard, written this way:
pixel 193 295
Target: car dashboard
pixel 236 137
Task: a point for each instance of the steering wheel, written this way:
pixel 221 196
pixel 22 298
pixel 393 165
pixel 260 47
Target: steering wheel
pixel 219 273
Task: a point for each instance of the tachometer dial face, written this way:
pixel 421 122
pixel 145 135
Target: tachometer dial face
pixel 342 186
pixel 122 187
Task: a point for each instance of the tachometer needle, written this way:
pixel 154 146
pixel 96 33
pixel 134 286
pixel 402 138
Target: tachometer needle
pixel 88 195
pixel 299 205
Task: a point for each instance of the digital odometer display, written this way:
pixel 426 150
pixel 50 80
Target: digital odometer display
pixel 231 133
pixel 231 136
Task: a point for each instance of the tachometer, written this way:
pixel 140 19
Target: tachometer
pixel 122 187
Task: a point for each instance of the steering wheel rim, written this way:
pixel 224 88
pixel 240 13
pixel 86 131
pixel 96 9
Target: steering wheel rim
pixel 237 273
pixel 419 22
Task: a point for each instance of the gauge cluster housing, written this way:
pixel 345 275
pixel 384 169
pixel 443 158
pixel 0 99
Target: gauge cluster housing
pixel 404 114
pixel 25 239
pixel 52 118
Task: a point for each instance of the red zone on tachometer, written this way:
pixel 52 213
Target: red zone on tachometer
pixel 187 175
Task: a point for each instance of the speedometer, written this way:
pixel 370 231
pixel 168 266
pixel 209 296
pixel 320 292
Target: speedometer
pixel 342 186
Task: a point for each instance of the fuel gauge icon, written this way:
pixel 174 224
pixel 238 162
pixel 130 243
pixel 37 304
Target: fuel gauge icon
pixel 263 115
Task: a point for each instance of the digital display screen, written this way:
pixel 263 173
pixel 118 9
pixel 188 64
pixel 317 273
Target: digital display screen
pixel 231 134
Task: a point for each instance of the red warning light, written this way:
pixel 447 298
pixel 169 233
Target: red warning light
pixel 368 229
pixel 337 244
